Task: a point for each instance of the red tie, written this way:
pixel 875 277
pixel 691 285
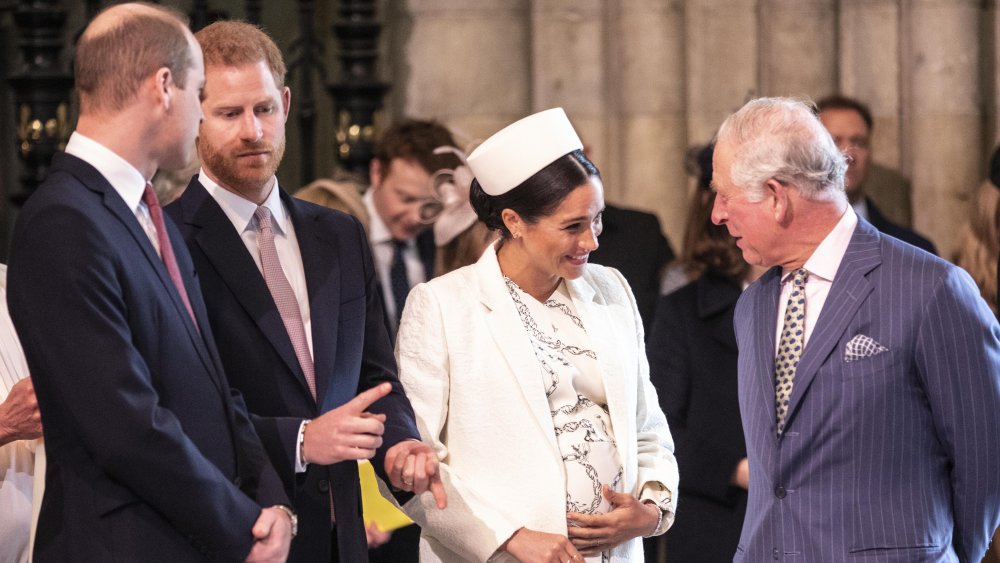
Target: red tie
pixel 166 250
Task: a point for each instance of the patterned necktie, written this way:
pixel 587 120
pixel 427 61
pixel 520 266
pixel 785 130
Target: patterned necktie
pixel 284 297
pixel 166 250
pixel 790 346
pixel 398 279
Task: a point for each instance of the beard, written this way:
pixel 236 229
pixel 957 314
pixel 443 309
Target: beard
pixel 241 177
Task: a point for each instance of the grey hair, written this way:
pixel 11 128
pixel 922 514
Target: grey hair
pixel 783 139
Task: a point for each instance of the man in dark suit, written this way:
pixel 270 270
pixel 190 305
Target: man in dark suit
pixel 869 370
pixel 633 242
pixel 850 124
pixel 291 293
pixel 402 206
pixel 149 456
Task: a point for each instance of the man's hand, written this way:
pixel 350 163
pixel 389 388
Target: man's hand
pixel 346 432
pixel 272 535
pixel 19 417
pixel 413 466
pixel 629 518
pixel 741 475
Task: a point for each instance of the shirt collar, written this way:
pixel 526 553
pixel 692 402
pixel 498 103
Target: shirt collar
pixel 378 232
pixel 825 260
pixel 240 210
pixel 123 177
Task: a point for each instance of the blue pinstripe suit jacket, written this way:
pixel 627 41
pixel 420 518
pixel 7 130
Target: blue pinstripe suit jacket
pixel 893 457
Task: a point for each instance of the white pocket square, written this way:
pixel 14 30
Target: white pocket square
pixel 861 347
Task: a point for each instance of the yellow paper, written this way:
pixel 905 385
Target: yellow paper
pixel 376 508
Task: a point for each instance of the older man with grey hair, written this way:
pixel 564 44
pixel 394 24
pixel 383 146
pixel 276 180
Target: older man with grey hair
pixel 869 370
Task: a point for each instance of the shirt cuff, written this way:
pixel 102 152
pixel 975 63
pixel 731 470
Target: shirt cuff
pixel 662 498
pixel 300 465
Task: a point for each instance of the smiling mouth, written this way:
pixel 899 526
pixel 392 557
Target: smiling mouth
pixel 578 260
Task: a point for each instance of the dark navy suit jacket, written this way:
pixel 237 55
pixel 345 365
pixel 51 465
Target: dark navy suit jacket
pixel 149 457
pixel 892 457
pixel 350 343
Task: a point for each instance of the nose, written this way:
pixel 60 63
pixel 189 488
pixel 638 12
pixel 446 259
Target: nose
pixel 589 242
pixel 718 211
pixel 250 128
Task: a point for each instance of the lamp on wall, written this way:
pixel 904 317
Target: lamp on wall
pixel 41 91
pixel 357 96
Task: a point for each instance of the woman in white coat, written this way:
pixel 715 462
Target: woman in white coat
pixel 527 373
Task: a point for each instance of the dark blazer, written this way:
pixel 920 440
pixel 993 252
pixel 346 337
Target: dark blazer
pixel 350 344
pixel 890 456
pixel 879 221
pixel 692 363
pixel 149 458
pixel 633 243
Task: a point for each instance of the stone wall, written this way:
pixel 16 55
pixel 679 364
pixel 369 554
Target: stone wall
pixel 644 79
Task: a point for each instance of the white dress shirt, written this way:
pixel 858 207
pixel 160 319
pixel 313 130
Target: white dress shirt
pixel 380 240
pixel 822 267
pixel 123 177
pixel 240 212
pixel 17 459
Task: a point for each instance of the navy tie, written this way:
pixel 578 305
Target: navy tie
pixel 397 277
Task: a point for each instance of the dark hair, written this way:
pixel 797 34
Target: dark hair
pixel 837 101
pixel 536 197
pixel 709 248
pixel 414 139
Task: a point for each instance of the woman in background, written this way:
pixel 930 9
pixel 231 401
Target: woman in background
pixel 527 372
pixel 692 363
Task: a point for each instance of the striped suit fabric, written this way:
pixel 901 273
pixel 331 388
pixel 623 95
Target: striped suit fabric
pixel 890 457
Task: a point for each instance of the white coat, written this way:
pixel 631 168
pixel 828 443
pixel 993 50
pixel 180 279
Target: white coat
pixel 477 391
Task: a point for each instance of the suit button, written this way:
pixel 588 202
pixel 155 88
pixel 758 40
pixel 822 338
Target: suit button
pixel 323 485
pixel 774 553
pixel 780 492
pixel 237 481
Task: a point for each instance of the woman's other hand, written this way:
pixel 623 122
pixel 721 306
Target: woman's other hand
pixel 628 518
pixel 531 546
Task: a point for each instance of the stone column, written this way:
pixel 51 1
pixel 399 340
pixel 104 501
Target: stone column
pixel 942 116
pixel 464 63
pixel 721 60
pixel 798 47
pixel 570 51
pixel 870 71
pixel 651 113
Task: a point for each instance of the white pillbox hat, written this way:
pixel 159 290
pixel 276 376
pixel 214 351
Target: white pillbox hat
pixel 518 151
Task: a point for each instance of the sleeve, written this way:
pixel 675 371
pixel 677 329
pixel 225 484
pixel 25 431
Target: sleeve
pixel 66 298
pixel 657 464
pixel 379 366
pixel 470 526
pixel 708 461
pixel 958 359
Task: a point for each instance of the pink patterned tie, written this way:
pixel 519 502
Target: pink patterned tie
pixel 166 250
pixel 284 297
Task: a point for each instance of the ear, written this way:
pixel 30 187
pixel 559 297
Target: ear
pixel 164 84
pixel 286 101
pixel 512 220
pixel 778 197
pixel 375 173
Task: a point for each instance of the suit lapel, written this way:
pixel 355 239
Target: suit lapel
pixel 321 263
pixel 765 310
pixel 224 248
pixel 93 179
pixel 849 290
pixel 505 327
